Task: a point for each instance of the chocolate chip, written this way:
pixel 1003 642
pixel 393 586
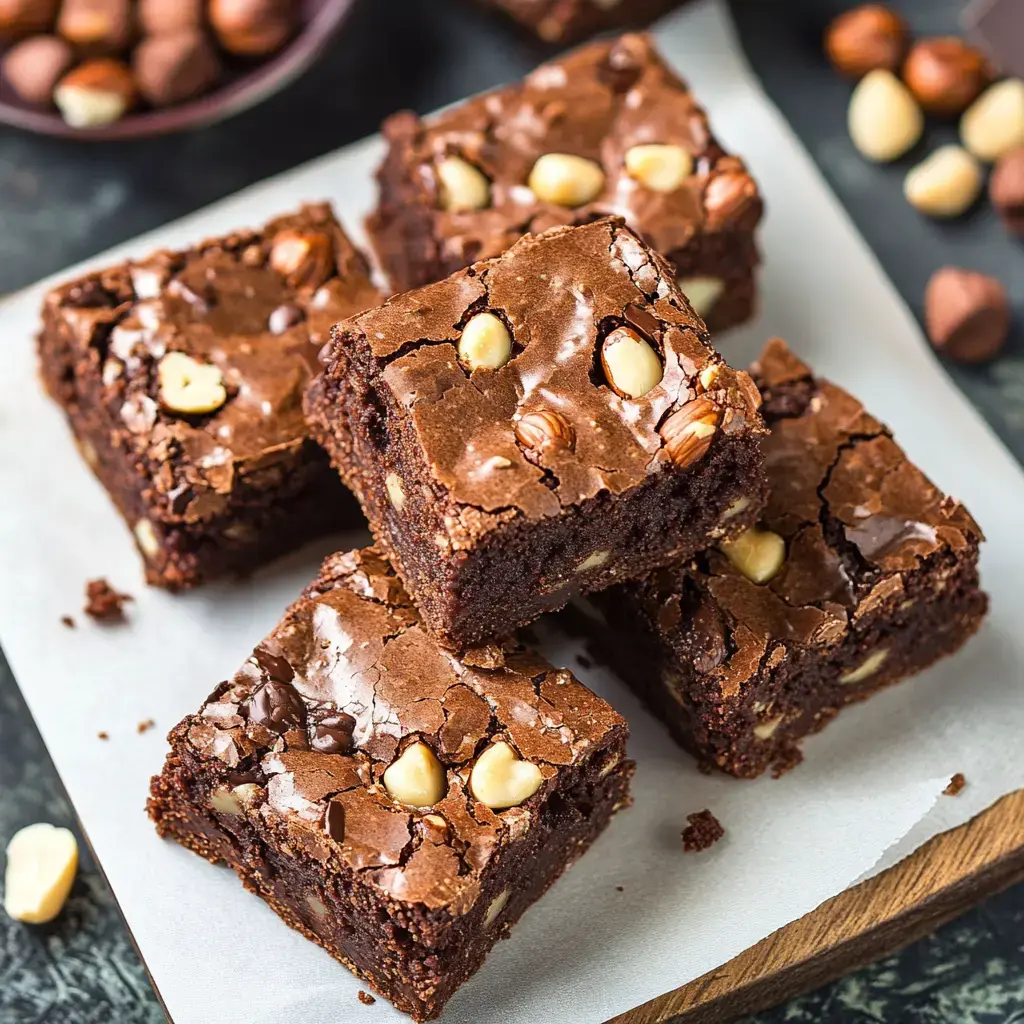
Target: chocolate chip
pixel 276 706
pixel 285 316
pixel 877 535
pixel 967 314
pixel 334 821
pixel 276 666
pixel 333 734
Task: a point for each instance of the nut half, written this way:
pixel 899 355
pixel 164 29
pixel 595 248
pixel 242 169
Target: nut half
pixel 659 168
pixel 758 554
pixel 994 123
pixel 499 779
pixel 189 386
pixel 945 184
pixel 416 778
pixel 566 180
pixel 463 187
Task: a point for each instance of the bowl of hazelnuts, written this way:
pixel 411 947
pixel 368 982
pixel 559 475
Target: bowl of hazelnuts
pixel 118 69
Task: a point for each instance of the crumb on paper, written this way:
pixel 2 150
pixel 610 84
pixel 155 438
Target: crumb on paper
pixel 584 661
pixel 366 999
pixel 705 767
pixel 620 888
pixel 103 602
pixel 956 784
pixel 67 621
pixel 786 760
pixel 703 831
pixel 103 735
pixel 145 725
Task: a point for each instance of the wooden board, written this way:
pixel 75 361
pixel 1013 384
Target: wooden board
pixel 945 877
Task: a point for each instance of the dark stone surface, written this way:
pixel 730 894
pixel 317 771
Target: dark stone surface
pixel 61 202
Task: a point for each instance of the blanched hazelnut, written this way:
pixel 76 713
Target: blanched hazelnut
pixel 41 864
pixel 566 180
pixel 630 364
pixel 499 778
pixel 485 343
pixel 417 777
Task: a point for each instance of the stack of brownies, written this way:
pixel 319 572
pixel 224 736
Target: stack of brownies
pixel 543 417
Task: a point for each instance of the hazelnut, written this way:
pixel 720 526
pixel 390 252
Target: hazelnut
pixel 688 432
pixel 994 123
pixel 731 200
pixel 170 69
pixel 497 905
pixel 21 18
pixel 945 75
pixel 499 779
pixel 945 184
pixel 630 364
pixel 593 561
pixel 189 386
pixel 884 119
pixel 99 28
pixel 758 554
pixel 547 429
pixel 462 186
pixel 702 292
pixel 253 28
pixel 485 343
pixel 871 664
pixel 42 861
pixel 396 492
pixel 966 314
pixel 146 538
pixel 169 17
pixel 95 93
pixel 34 66
pixel 416 777
pixel 1006 190
pixel 305 259
pixel 766 730
pixel 223 801
pixel 659 168
pixel 566 180
pixel 866 39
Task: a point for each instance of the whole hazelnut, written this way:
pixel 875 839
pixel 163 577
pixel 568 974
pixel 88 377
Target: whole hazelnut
pixel 866 38
pixel 966 314
pixel 34 66
pixel 252 28
pixel 21 18
pixel 945 75
pixel 174 68
pixel 168 17
pixel 95 93
pixel 1006 190
pixel 97 28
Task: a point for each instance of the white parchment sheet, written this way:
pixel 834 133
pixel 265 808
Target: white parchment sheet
pixel 586 951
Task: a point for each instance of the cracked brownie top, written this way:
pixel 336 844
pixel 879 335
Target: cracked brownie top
pixel 569 366
pixel 203 355
pixel 848 518
pixel 607 129
pixel 353 731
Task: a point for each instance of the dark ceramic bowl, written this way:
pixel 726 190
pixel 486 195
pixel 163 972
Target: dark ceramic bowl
pixel 244 87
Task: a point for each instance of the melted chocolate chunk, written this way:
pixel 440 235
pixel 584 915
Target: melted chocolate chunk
pixel 333 734
pixel 276 706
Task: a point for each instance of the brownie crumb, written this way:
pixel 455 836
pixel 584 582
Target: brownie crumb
pixel 584 661
pixel 366 999
pixel 103 735
pixel 103 602
pixel 705 767
pixel 67 621
pixel 703 831
pixel 620 888
pixel 786 760
pixel 145 726
pixel 956 784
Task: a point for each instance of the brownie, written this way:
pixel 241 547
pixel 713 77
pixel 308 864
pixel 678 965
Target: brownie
pixel 607 129
pixel 539 425
pixel 396 803
pixel 563 21
pixel 860 574
pixel 182 378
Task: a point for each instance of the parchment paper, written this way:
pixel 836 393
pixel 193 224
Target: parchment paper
pixel 587 951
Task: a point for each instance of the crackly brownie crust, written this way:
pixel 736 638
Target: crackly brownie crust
pixel 565 21
pixel 282 775
pixel 486 530
pixel 879 581
pixel 225 490
pixel 597 102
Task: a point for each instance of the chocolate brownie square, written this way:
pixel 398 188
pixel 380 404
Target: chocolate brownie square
pixel 608 129
pixel 182 378
pixel 396 803
pixel 860 574
pixel 543 424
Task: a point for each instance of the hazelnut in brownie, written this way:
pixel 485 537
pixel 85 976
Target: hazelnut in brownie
pixel 860 573
pixel 540 425
pixel 182 378
pixel 563 21
pixel 607 129
pixel 399 804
